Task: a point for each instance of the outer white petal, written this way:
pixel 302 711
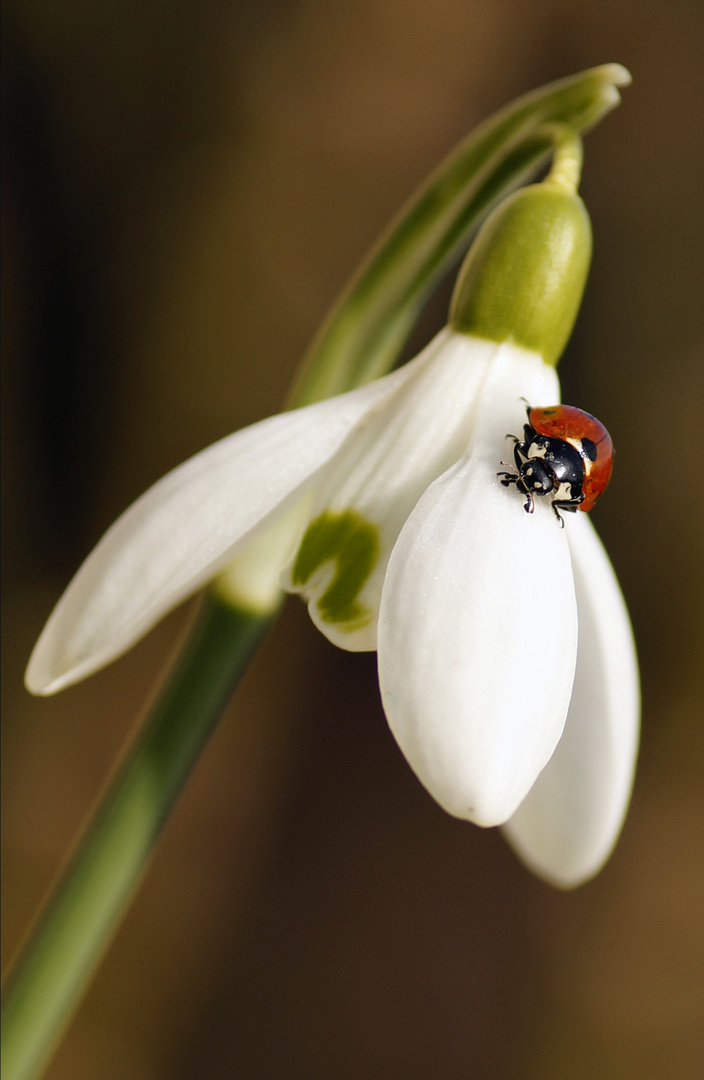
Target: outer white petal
pixel 383 469
pixel 568 824
pixel 477 627
pixel 186 528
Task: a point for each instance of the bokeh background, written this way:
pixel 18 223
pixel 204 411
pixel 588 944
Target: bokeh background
pixel 186 187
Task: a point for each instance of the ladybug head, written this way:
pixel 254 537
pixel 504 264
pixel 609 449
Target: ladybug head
pixel 536 477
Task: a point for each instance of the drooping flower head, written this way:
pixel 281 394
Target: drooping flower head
pixel 506 661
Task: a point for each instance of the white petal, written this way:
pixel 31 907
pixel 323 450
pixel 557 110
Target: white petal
pixel 567 826
pixel 477 628
pixel 186 528
pixel 388 463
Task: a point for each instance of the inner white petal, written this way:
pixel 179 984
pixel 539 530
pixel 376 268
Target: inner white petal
pixel 386 465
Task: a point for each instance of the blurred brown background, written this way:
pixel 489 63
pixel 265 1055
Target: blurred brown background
pixel 186 188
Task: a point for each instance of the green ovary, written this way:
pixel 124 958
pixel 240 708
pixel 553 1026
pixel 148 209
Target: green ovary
pixel 352 543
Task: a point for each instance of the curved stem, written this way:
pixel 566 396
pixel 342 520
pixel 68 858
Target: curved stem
pixel 566 168
pixel 85 908
pixel 366 330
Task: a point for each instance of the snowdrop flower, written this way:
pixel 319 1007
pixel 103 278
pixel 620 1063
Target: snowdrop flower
pixel 389 519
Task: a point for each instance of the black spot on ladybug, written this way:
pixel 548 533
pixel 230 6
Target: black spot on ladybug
pixel 589 448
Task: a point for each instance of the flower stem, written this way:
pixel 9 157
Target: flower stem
pixel 366 330
pixel 84 911
pixel 566 169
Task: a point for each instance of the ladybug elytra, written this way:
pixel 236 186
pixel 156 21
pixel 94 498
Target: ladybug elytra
pixel 565 453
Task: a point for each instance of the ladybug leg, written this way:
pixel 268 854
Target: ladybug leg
pixel 523 444
pixel 529 504
pixel 558 515
pixel 528 434
pixel 569 505
pixel 520 454
pixel 516 443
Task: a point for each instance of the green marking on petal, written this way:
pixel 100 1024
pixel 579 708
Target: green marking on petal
pixel 350 541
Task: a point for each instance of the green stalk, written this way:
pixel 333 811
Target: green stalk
pixel 362 338
pixel 96 886
pixel 367 328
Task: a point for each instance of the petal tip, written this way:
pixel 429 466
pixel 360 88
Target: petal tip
pixel 566 870
pixel 616 74
pixel 40 679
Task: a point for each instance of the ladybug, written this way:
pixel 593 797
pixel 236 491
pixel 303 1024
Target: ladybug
pixel 564 452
